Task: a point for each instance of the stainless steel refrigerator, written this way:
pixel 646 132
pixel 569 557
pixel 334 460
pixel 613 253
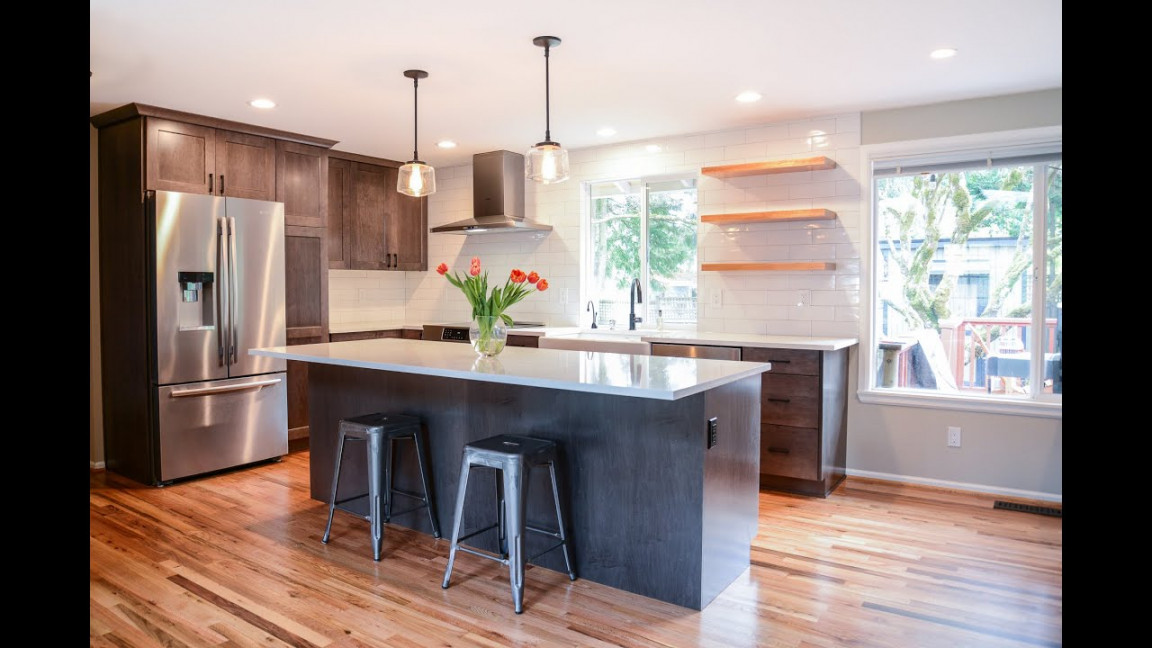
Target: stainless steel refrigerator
pixel 216 289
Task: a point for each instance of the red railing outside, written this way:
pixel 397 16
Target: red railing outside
pixel 968 340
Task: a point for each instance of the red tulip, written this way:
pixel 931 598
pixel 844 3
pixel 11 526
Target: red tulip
pixel 542 285
pixel 533 277
pixel 475 269
pixel 442 268
pixel 518 276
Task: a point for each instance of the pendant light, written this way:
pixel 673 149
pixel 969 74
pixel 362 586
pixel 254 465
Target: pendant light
pixel 416 178
pixel 546 162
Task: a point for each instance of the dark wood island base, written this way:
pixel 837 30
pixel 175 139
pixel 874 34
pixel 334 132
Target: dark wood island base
pixel 652 509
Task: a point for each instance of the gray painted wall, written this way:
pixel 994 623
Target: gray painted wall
pixel 1010 454
pixel 968 117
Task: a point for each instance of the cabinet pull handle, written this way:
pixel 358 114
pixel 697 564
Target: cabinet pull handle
pixel 778 400
pixel 210 191
pixel 772 360
pixel 779 450
pixel 395 260
pixel 221 184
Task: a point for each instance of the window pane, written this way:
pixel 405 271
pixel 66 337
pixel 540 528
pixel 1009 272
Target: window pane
pixel 954 298
pixel 1053 276
pixel 672 225
pixel 615 247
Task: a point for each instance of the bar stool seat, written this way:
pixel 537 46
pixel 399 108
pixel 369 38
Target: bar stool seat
pixel 380 431
pixel 513 456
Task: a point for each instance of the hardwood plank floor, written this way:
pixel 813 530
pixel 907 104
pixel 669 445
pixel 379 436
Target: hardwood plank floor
pixel 236 560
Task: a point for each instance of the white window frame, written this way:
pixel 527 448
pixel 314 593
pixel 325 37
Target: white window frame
pixel 1040 405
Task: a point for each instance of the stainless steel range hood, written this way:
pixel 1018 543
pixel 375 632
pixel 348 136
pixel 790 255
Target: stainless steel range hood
pixel 497 197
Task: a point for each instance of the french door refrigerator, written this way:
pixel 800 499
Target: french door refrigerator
pixel 215 288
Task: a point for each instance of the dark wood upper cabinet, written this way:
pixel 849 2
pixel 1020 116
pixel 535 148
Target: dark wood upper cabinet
pixel 370 197
pixel 372 226
pixel 302 183
pixel 199 159
pixel 408 232
pixel 339 214
pixel 180 156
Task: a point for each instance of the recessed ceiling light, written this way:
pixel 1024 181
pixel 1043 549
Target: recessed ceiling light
pixel 606 132
pixel 262 103
pixel 748 96
pixel 446 144
pixel 943 53
pixel 653 148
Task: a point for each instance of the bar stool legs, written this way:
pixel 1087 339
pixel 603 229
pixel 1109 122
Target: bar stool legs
pixel 380 432
pixel 512 457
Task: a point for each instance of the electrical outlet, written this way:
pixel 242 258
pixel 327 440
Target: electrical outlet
pixel 712 425
pixel 715 297
pixel 953 437
pixel 804 297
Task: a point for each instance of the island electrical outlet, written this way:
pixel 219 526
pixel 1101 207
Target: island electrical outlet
pixel 712 431
pixel 953 437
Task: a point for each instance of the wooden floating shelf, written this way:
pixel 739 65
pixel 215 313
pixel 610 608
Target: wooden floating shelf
pixel 818 163
pixel 770 216
pixel 784 265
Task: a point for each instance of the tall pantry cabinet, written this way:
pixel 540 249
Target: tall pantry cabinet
pixel 143 148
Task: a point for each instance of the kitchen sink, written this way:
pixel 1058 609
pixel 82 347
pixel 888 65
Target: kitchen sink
pixel 606 342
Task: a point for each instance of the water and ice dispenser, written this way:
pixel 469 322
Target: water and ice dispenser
pixel 197 306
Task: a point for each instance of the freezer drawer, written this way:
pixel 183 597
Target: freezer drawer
pixel 220 424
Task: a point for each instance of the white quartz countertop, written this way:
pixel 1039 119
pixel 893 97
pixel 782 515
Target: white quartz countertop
pixel 600 373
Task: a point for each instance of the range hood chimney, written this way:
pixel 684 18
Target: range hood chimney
pixel 497 197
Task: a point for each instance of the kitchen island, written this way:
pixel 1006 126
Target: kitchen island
pixel 657 505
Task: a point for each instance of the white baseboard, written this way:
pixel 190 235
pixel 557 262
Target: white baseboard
pixel 978 488
pixel 96 465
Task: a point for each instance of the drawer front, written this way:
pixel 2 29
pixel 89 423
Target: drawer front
pixel 363 335
pixel 790 400
pixel 789 452
pixel 785 361
pixel 523 340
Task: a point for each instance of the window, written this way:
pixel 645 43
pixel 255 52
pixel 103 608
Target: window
pixel 966 280
pixel 642 229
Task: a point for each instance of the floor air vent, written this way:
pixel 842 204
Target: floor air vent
pixel 1028 508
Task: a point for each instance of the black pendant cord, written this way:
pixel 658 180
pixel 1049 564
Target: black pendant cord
pixel 415 116
pixel 547 100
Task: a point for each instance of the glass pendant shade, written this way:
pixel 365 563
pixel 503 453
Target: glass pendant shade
pixel 546 163
pixel 416 179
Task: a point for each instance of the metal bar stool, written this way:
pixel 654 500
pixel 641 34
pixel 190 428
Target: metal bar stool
pixel 380 432
pixel 514 457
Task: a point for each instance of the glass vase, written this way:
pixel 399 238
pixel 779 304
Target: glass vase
pixel 488 335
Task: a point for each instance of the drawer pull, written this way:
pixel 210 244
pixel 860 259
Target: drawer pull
pixel 779 450
pixel 779 400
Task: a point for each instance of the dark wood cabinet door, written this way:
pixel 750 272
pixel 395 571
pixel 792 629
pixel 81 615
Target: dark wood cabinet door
pixel 306 284
pixel 408 232
pixel 302 183
pixel 180 157
pixel 245 166
pixel 339 214
pixel 370 205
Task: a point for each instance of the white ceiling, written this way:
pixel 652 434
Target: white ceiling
pixel 644 67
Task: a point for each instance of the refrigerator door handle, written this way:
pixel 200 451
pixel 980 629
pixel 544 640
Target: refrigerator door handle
pixel 221 291
pixel 201 391
pixel 231 289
